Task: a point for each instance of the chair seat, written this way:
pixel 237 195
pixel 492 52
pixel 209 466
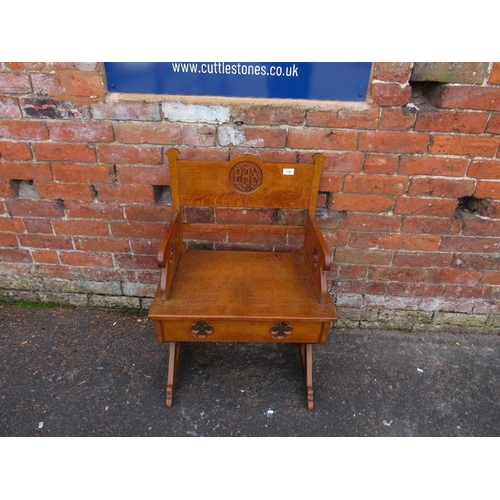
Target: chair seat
pixel 242 286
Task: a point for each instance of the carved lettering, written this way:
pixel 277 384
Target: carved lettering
pixel 245 177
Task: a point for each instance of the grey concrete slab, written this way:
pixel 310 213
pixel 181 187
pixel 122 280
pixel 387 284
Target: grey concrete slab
pixel 77 372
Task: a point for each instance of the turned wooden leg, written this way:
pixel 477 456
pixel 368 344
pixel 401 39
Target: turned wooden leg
pixel 173 366
pixel 306 358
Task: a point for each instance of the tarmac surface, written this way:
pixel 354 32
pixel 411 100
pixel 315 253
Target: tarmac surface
pixel 77 372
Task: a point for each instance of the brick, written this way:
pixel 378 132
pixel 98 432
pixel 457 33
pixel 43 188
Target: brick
pixel 25 171
pixel 396 142
pixel 15 151
pixel 38 225
pixel 156 176
pixel 425 206
pixel 492 308
pixel 81 132
pixel 243 216
pixel 425 165
pixel 80 227
pixel 124 194
pixel 86 84
pixel 9 224
pixel 145 247
pixel 466 97
pixel 362 287
pixel 330 183
pixel 136 261
pixel 205 154
pixel 480 262
pixel 126 110
pixel 76 173
pixel 148 133
pixel 410 274
pixel 364 257
pixel 397 119
pixel 64 152
pixel 461 145
pixel 484 169
pixel 45 256
pixel 363 240
pixel 86 259
pixel 360 203
pixel 45 241
pixel 390 94
pixel 491 278
pixel 421 259
pixel 463 291
pixel 30 208
pixel 265 138
pixel 422 242
pixel 495 74
pixel 195 113
pixel 487 189
pixel 7 190
pixel 380 164
pixel 348 162
pixel 336 239
pixel 352 272
pixel 414 289
pixel 14 255
pixel 267 115
pixel 264 239
pixel 451 121
pixel 15 129
pixel 440 187
pixel 14 83
pixel 157 213
pixel 198 214
pixel 434 225
pixel 199 136
pixel 50 108
pixel 493 126
pixel 321 139
pixel 375 184
pixel 46 84
pixel 370 223
pixel 138 229
pixel 392 71
pixel 107 211
pixel 56 191
pixel 251 137
pixel 366 119
pixel 108 153
pixel 295 217
pixel 108 245
pixel 472 243
pixel 449 72
pixel 38 66
pixel 480 226
pixel 9 107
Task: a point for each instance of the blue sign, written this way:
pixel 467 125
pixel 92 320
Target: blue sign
pixel 302 80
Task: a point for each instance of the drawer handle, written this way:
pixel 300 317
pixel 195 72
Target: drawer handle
pixel 201 329
pixel 281 330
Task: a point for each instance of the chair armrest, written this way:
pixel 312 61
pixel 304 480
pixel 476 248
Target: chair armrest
pixel 169 254
pixel 318 258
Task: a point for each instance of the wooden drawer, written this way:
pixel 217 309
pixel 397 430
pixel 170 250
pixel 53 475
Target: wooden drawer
pixel 208 330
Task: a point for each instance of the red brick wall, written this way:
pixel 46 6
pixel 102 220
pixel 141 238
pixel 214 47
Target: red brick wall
pixel 409 202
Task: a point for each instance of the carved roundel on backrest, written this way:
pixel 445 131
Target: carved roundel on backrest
pixel 245 177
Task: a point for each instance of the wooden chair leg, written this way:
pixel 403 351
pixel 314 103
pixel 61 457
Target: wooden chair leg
pixel 306 358
pixel 173 366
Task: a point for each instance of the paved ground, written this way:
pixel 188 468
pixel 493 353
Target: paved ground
pixel 73 372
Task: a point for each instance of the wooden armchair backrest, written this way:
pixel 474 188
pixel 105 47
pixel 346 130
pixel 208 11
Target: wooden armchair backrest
pixel 244 182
